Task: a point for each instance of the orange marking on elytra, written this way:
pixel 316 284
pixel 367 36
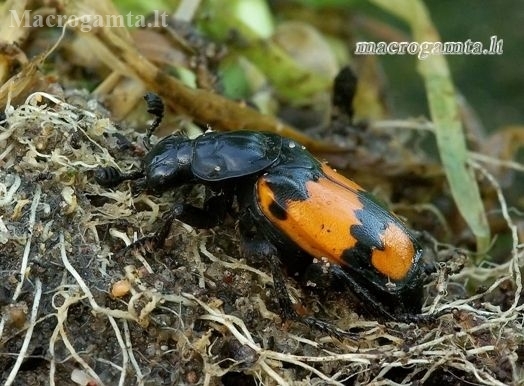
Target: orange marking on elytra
pixel 396 259
pixel 321 224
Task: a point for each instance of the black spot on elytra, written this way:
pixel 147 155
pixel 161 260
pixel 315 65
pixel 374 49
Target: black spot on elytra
pixel 373 220
pixel 277 210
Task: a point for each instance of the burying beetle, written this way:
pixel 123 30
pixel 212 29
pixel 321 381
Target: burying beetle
pixel 292 210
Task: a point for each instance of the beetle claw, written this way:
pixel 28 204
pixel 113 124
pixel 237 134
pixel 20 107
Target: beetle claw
pixel 328 328
pixel 146 243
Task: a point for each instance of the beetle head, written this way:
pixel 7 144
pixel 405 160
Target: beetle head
pixel 168 164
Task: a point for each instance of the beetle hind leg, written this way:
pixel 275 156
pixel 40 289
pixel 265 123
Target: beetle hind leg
pixel 289 313
pixel 262 250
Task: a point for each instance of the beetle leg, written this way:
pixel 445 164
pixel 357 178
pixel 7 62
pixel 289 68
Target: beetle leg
pixel 369 301
pixel 213 212
pixel 262 249
pixel 279 284
pixel 289 313
pixel 150 243
pixel 207 217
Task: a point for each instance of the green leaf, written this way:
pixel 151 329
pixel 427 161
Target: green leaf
pixel 446 118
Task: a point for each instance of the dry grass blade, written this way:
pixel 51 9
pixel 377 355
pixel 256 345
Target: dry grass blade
pixel 29 333
pixel 445 115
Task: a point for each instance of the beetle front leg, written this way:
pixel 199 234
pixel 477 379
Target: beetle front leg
pixel 152 242
pixel 210 216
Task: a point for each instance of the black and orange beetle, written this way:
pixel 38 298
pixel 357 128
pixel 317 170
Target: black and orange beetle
pixel 291 207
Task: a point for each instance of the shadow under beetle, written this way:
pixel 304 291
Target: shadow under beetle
pixel 292 209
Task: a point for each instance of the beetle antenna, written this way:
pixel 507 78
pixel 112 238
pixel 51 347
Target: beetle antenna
pixel 109 177
pixel 155 106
